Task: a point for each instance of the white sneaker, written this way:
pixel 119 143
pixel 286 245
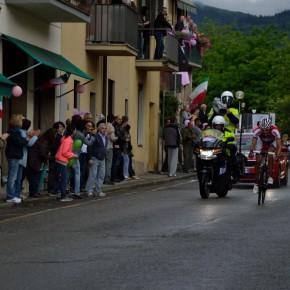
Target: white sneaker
pixel 270 180
pixel 16 200
pixel 10 200
pixel 90 194
pixel 101 194
pixel 66 199
pixel 256 189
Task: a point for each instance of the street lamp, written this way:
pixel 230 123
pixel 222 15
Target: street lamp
pixel 240 96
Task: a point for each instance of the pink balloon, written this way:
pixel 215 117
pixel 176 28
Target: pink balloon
pixel 16 91
pixel 80 89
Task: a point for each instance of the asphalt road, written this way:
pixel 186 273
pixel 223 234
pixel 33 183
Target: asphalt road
pixel 157 238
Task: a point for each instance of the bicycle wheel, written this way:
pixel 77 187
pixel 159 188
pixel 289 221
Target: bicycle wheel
pixel 263 179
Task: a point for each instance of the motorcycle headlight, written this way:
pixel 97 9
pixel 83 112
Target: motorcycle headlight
pixel 207 154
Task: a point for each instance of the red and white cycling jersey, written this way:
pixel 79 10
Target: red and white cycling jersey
pixel 265 140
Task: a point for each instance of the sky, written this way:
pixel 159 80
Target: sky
pixel 257 7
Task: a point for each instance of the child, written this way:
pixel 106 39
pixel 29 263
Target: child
pixel 62 157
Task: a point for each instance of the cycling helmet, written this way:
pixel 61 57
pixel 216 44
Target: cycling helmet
pixel 265 123
pixel 227 98
pixel 218 120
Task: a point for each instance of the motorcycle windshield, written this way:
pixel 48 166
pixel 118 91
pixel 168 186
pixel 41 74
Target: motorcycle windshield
pixel 211 138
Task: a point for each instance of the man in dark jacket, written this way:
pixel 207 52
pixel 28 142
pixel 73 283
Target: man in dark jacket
pixel 172 138
pixel 160 26
pixel 59 128
pixel 179 26
pixel 14 153
pixel 38 156
pixel 96 155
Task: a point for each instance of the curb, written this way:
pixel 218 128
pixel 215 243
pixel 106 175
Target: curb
pixel 108 189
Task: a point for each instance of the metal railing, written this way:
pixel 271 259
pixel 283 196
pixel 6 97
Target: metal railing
pixel 189 56
pixel 171 48
pixel 170 42
pixel 83 6
pixel 115 24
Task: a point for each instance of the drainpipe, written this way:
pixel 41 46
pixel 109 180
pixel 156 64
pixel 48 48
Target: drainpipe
pixel 105 86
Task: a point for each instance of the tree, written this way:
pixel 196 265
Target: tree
pixel 257 63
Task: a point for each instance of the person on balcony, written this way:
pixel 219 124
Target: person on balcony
pixel 193 32
pixel 179 26
pixel 160 26
pixel 144 35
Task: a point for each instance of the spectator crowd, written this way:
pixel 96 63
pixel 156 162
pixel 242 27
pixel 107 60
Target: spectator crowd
pixel 180 139
pixel 69 159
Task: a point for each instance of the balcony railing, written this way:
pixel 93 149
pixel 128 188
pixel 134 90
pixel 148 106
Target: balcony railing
pixel 189 56
pixel 113 24
pixel 81 5
pixel 170 52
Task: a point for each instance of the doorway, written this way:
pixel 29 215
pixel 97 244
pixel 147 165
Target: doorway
pixel 44 100
pixel 14 105
pixel 111 97
pixel 153 138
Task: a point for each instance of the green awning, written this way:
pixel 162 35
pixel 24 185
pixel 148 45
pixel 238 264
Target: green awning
pixel 5 86
pixel 187 5
pixel 49 58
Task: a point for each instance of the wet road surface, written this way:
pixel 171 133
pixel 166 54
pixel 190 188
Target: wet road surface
pixel 153 238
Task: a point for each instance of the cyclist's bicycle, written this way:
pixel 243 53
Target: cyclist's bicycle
pixel 263 175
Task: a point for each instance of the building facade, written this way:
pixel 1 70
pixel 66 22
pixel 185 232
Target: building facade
pixel 127 80
pixel 100 45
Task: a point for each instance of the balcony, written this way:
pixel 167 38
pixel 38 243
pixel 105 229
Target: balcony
pixel 169 60
pixel 112 30
pixel 189 57
pixel 55 10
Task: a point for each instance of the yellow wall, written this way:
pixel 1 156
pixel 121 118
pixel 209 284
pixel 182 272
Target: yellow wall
pixel 73 48
pixel 34 30
pixel 22 25
pixel 122 70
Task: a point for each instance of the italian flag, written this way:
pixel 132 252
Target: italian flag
pixel 199 93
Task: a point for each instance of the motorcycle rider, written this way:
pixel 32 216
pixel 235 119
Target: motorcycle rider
pixel 219 123
pixel 224 106
pixel 266 138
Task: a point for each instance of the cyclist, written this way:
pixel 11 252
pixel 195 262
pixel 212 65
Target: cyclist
pixel 266 139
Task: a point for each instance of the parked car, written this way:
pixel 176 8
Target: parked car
pixel 280 168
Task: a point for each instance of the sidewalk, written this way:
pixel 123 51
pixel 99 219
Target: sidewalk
pixel 148 179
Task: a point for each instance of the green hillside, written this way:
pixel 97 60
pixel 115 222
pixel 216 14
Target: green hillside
pixel 242 21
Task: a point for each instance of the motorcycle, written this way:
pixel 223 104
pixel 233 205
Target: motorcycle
pixel 213 168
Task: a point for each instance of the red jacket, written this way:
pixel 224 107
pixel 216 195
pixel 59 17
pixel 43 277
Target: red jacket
pixel 64 152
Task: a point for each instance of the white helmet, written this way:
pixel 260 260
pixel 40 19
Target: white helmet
pixel 218 120
pixel 227 97
pixel 265 123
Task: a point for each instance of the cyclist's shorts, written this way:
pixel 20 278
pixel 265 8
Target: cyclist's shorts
pixel 262 146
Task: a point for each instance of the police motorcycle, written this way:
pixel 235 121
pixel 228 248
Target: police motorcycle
pixel 223 106
pixel 213 166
